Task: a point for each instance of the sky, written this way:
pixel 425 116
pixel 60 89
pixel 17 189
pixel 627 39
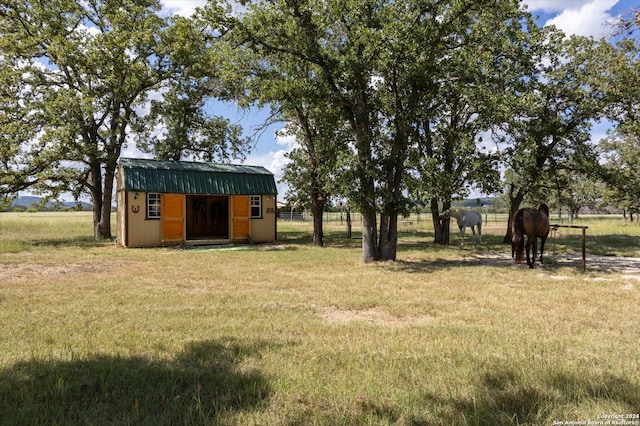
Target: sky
pixel 580 17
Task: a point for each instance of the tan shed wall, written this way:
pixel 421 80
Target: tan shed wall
pixel 264 229
pixel 141 232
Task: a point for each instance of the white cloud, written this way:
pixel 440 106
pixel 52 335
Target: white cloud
pixel 275 160
pixel 184 8
pixel 589 20
pixel 88 30
pixel 286 140
pixel 131 151
pixel 579 17
pixel 550 6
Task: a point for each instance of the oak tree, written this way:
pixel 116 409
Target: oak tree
pixel 77 77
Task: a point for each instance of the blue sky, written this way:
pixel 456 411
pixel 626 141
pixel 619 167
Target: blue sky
pixel 582 17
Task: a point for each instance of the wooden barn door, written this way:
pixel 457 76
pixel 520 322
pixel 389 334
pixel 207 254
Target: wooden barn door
pixel 172 218
pixel 241 215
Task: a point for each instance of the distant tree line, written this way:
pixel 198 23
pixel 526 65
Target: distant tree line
pixel 37 204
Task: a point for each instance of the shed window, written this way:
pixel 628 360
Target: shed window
pixel 153 205
pixel 256 206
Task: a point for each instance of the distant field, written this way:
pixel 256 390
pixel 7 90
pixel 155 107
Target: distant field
pixel 290 334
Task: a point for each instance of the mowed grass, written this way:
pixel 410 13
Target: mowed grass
pixel 290 334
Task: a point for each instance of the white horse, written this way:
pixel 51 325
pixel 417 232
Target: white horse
pixel 465 218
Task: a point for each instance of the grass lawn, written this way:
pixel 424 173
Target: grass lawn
pixel 290 334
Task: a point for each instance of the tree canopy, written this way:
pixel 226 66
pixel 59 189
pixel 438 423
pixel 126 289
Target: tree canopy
pixel 393 74
pixel 77 77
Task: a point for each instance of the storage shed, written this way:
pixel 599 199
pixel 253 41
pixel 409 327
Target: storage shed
pixel 182 202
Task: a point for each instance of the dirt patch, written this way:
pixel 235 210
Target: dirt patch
pixel 559 277
pixel 39 271
pixel 622 265
pixel 627 267
pixel 632 277
pixel 372 315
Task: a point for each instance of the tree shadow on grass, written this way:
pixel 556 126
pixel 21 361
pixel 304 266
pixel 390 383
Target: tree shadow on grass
pixel 598 245
pixel 20 245
pixel 434 264
pixel 85 241
pixel 331 239
pixel 203 385
pixel 503 397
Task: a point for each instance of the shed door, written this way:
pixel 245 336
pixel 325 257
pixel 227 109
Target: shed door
pixel 172 217
pixel 241 213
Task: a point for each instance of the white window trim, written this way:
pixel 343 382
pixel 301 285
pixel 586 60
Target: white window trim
pixel 153 209
pixel 257 198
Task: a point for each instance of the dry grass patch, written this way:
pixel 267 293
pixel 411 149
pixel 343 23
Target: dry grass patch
pixel 374 316
pixel 291 334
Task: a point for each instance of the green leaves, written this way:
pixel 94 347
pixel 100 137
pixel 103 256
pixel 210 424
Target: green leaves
pixel 550 127
pixel 80 75
pixel 414 84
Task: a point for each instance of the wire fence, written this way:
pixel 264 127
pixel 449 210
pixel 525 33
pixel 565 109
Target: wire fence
pixel 422 222
pixel 494 222
pixel 489 217
pixel 412 219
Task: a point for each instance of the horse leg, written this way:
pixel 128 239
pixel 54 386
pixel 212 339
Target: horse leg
pixel 535 250
pixel 528 249
pixel 462 229
pixel 473 229
pixel 542 241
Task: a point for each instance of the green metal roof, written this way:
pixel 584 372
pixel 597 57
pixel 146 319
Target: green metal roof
pixel 187 177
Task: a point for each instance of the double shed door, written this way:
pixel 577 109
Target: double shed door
pixel 173 218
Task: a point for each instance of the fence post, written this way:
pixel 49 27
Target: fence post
pixel 584 249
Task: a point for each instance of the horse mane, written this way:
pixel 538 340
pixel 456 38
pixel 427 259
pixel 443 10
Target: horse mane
pixel 544 208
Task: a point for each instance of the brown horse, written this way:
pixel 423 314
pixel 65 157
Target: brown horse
pixel 534 223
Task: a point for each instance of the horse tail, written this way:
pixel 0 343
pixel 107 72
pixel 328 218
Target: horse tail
pixel 518 235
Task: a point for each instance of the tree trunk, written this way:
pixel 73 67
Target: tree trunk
pixel 367 194
pixel 97 200
pixel 576 212
pixel 317 210
pixel 441 229
pixel 98 225
pixel 514 205
pixel 388 235
pixel 370 249
pixel 101 199
pixel 446 225
pixel 103 230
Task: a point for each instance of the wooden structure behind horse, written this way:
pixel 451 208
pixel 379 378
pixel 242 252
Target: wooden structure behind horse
pixel 465 218
pixel 534 223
